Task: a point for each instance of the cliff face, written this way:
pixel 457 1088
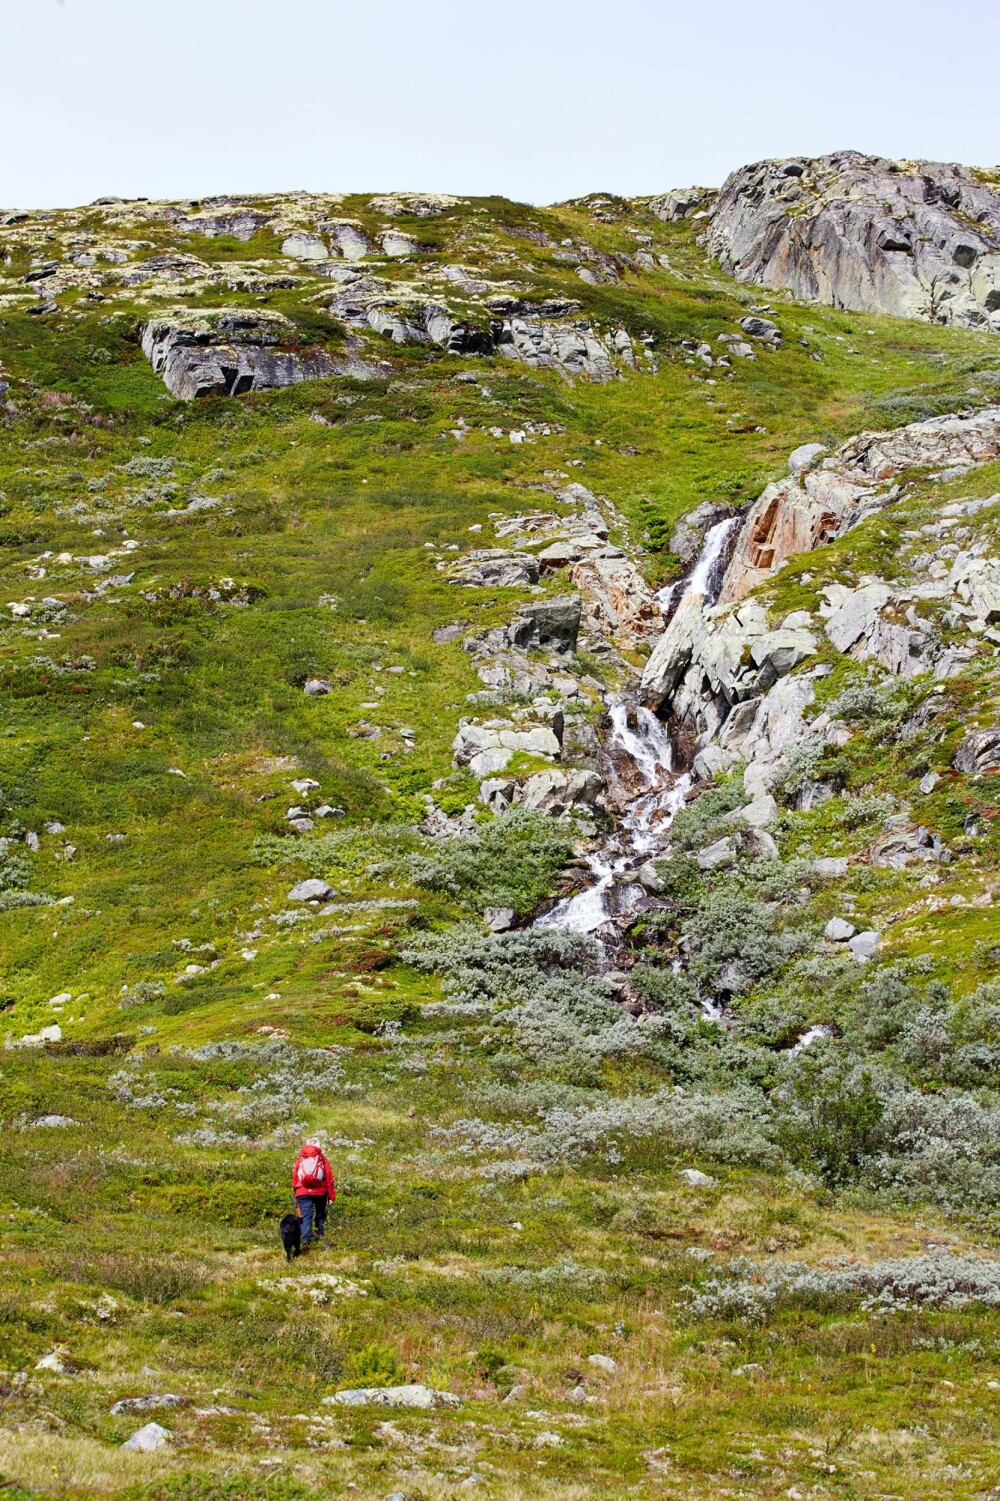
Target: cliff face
pixel 915 239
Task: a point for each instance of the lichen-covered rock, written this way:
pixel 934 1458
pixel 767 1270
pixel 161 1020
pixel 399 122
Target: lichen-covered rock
pixel 813 506
pixel 229 352
pixel 916 239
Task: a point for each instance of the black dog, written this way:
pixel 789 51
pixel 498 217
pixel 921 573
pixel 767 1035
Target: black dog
pixel 291 1235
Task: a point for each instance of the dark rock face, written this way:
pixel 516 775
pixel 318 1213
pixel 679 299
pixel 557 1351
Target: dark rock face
pixel 978 751
pixel 688 535
pixel 552 623
pixel 228 353
pixel 915 239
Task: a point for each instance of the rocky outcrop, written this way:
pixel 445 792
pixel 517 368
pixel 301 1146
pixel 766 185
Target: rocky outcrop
pixel 821 500
pixel 229 352
pixel 915 239
pixel 544 335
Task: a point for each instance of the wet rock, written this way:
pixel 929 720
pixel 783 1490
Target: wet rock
pixel 839 930
pixel 688 536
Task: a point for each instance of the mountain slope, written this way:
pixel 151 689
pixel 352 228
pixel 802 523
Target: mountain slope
pixel 335 537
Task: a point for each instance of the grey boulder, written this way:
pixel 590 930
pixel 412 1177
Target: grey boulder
pixel 312 890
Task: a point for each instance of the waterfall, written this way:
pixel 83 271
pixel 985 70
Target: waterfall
pixel 642 786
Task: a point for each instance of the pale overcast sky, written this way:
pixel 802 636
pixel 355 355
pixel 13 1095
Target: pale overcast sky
pixel 536 99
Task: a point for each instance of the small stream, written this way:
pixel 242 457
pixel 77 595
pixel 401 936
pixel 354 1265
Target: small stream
pixel 643 790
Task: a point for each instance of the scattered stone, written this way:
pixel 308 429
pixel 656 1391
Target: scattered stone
pixel 839 930
pixel 317 687
pixel 695 1179
pixel 864 945
pixel 394 1396
pixel 499 919
pixel 54 1361
pixel 831 867
pixel 149 1438
pixel 53 1122
pixel 604 1363
pixel 148 1404
pixel 311 890
pixel 717 855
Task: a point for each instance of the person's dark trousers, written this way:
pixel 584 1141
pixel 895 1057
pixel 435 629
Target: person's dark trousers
pixel 312 1209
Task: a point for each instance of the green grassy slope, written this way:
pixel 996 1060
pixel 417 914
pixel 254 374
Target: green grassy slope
pixel 160 719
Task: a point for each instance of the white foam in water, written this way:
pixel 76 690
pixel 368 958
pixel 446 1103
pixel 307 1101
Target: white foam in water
pixel 715 540
pixel 648 812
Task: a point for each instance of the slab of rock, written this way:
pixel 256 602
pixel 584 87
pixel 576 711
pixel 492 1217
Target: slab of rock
pixel 805 456
pixel 499 919
pixel 839 930
pixel 53 1122
pixel 831 867
pixel 317 687
pixel 759 814
pixel 604 1363
pixel 229 352
pixel 717 855
pixel 149 1438
pixel 816 505
pixel 301 246
pixel 312 890
pixel 912 239
pixel 494 568
pixel 548 623
pixel 424 1397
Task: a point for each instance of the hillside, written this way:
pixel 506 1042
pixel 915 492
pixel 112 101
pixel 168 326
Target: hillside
pixel 483 687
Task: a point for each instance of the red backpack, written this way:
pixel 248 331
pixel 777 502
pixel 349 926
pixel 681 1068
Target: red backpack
pixel 311 1172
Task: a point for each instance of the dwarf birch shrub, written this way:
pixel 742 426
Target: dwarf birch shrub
pixel 753 1292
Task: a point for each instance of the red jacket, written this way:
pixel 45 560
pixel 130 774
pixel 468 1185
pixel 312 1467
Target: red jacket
pixel 317 1180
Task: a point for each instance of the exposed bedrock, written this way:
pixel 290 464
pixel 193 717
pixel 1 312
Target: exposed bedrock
pixel 915 239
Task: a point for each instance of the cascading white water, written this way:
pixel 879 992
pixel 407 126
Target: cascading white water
pixel 650 795
pixel 641 741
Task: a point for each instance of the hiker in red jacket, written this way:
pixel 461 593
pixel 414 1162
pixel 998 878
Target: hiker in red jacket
pixel 313 1189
